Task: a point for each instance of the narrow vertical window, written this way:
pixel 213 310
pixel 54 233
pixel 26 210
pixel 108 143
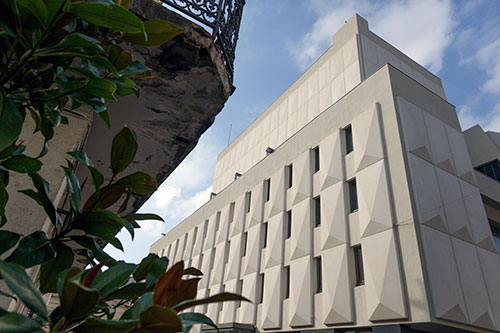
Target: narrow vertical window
pixel 358 264
pixel 162 252
pixel 248 200
pixel 264 235
pixel 319 278
pixel 226 252
pixel 217 221
pixel 244 241
pixel 267 190
pixel 201 261
pixel 289 175
pixel 261 298
pixel 195 234
pixel 205 229
pixel 353 195
pixel 287 282
pixel 240 291
pixel 231 212
pixel 348 139
pixel 317 211
pixel 184 245
pixel 316 159
pixel 288 225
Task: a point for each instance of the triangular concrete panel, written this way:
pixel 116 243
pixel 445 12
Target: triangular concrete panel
pixel 422 152
pixel 436 222
pixel 469 177
pixel 277 194
pixel 367 138
pixel 333 217
pixel 274 249
pixel 301 187
pixel 484 321
pixel 301 230
pixel 254 217
pixel 447 165
pixel 239 216
pixel 456 313
pixel 330 160
pixel 300 306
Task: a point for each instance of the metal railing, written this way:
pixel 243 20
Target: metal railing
pixel 222 16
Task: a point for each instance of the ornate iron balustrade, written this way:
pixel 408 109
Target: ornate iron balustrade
pixel 222 16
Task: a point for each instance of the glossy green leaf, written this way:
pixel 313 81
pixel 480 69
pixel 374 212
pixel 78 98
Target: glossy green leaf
pixel 50 270
pixel 22 164
pixel 191 318
pixel 78 40
pixel 100 223
pixel 144 267
pixel 147 216
pixel 8 240
pixel 11 123
pixel 222 297
pixel 32 250
pixel 90 244
pixel 158 32
pixel 123 150
pixel 76 300
pixel 138 307
pixel 16 323
pixel 119 57
pixel 53 6
pixel 113 241
pixel 139 182
pixel 156 270
pixel 135 68
pixel 36 7
pixel 113 278
pixel 101 88
pixel 43 198
pixel 73 189
pixel 97 178
pixel 160 319
pixel 81 156
pixel 94 325
pixel 21 285
pixel 129 291
pixel 112 16
pixel 106 197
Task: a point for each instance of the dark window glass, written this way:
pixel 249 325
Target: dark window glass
pixel 231 212
pixel 317 212
pixel 288 221
pixel 264 235
pixel 248 201
pixel 245 235
pixel 358 264
pixel 261 299
pixel 217 222
pixel 195 234
pixel 289 175
pixel 267 190
pixel 226 252
pixel 353 195
pixel 205 229
pixel 348 140
pixel 319 281
pixel 491 169
pixel 287 282
pixel 316 159
pixel 495 230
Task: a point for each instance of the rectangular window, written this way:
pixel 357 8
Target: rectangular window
pixel 195 234
pixel 244 241
pixel 287 282
pixel 319 278
pixel 288 221
pixel 261 298
pixel 240 291
pixel 248 201
pixel 264 235
pixel 231 211
pixel 217 221
pixel 317 211
pixel 169 249
pixel 316 159
pixel 162 252
pixel 184 245
pixel 205 229
pixel 491 169
pixel 495 231
pixel 226 252
pixel 289 175
pixel 348 139
pixel 267 190
pixel 358 265
pixel 201 261
pixel 353 195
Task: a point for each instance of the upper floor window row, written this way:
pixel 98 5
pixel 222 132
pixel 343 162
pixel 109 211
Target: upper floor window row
pixel 491 169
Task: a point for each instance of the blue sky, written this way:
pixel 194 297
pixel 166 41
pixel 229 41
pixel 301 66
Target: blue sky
pixel 457 40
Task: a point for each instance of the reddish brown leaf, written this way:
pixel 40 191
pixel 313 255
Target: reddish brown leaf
pixel 193 271
pixel 89 278
pixel 168 284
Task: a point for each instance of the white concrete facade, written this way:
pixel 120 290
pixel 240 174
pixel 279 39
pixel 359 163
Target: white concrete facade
pixel 406 197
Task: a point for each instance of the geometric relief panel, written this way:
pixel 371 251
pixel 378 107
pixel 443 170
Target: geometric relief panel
pixel 239 216
pixel 213 308
pixel 229 309
pixel 301 174
pixel 454 207
pixel 180 248
pixel 374 203
pixel 223 225
pixel 440 149
pixel 481 231
pixel 333 217
pixel 189 246
pixel 490 264
pixel 426 193
pixel 460 154
pixel 277 193
pixel 337 303
pixel 413 128
pixel 218 269
pixel 205 268
pixel 255 215
pixel 271 307
pixel 300 240
pixel 274 248
pixel 300 304
pixel 367 138
pixel 249 291
pixel 476 296
pixel 445 288
pixel 330 161
pixel 198 241
pixel 234 262
pixel 210 236
pixel 253 250
pixel 384 292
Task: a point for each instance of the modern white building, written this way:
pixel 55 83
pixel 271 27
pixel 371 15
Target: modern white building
pixel 367 212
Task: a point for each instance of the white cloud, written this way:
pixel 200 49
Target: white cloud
pixel 489 121
pixel 419 28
